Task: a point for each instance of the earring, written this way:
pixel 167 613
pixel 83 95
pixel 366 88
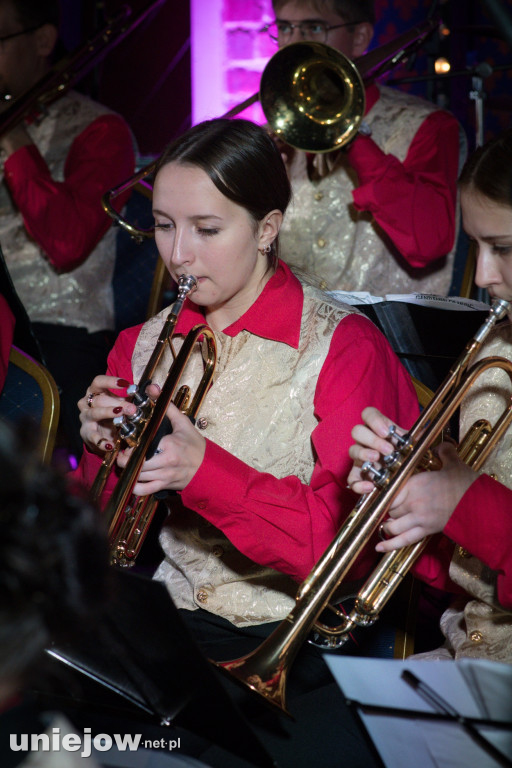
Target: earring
pixel 267 248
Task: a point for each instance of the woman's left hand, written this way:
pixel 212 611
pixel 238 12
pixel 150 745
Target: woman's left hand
pixel 427 501
pixel 180 456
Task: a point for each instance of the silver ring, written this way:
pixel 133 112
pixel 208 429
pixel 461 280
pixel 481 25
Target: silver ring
pixel 90 398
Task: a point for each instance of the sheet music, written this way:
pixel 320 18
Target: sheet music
pixel 475 688
pixel 459 303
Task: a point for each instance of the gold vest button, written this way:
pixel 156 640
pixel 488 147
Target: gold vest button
pixel 202 596
pixel 476 637
pixel 202 423
pixel 319 196
pixel 321 242
pixel 463 552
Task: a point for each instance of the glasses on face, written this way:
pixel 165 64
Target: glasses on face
pixel 4 38
pixel 315 30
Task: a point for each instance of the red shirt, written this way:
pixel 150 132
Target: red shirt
pixel 66 217
pixel 414 201
pixel 282 522
pixel 482 524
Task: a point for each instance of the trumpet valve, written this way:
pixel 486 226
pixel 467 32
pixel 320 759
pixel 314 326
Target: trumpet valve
pixel 379 477
pixel 402 442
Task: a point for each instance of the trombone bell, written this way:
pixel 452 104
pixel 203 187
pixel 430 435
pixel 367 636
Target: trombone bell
pixel 313 96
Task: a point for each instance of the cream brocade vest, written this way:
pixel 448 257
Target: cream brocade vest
pixel 479 627
pixel 325 236
pixel 260 409
pixel 82 297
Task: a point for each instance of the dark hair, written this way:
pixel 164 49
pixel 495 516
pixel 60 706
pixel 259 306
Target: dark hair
pixel 488 170
pixel 53 557
pixel 34 13
pixel 242 161
pixel 350 10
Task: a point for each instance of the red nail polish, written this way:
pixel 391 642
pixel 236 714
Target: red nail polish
pixel 108 447
pixel 123 383
pixel 118 409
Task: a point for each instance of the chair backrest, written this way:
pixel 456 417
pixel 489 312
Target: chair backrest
pixel 423 393
pixel 135 265
pixel 30 392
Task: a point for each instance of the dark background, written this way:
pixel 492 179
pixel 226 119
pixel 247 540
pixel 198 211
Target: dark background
pixel 147 76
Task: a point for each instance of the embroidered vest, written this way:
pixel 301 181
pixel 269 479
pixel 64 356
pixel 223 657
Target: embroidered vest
pixel 269 428
pixel 324 235
pixel 82 297
pixel 480 627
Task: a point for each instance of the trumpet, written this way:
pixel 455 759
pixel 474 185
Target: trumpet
pixel 129 517
pixel 265 670
pixel 313 98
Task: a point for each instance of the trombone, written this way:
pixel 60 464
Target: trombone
pixel 265 670
pixel 313 98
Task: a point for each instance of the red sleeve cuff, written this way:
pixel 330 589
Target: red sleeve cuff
pixel 473 530
pixel 218 485
pixel 482 524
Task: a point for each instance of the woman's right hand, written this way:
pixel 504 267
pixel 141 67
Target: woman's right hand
pixel 98 408
pixel 371 443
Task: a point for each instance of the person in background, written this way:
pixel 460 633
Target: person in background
pixel 261 480
pixel 57 241
pixel 380 214
pixel 473 510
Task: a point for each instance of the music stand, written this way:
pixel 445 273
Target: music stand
pixel 141 654
pixel 426 339
pixel 431 713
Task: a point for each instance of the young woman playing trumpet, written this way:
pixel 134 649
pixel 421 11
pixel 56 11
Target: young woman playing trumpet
pixel 261 480
pixel 473 510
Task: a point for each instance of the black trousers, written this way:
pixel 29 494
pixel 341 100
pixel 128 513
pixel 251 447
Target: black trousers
pixel 323 732
pixel 74 357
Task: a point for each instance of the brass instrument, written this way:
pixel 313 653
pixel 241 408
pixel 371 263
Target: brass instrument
pixel 129 517
pixel 312 96
pixel 265 670
pixel 73 67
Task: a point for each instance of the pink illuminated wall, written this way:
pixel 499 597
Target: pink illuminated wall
pixel 228 54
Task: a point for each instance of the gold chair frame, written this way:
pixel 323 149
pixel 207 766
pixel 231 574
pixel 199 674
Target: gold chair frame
pixel 51 401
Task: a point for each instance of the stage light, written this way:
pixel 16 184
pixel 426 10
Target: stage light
pixel 442 66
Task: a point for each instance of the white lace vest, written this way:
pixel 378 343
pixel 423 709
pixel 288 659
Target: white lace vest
pixel 267 426
pixel 82 297
pixel 324 235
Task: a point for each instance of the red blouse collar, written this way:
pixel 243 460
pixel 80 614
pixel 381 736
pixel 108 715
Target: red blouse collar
pixel 276 314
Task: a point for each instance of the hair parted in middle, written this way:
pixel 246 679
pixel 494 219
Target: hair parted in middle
pixel 241 160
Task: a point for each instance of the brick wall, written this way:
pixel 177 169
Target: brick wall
pixel 247 50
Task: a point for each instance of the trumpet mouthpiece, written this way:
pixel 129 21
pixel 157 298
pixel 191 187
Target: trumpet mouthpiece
pixel 187 283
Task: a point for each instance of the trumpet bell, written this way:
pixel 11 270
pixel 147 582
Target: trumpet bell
pixel 312 96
